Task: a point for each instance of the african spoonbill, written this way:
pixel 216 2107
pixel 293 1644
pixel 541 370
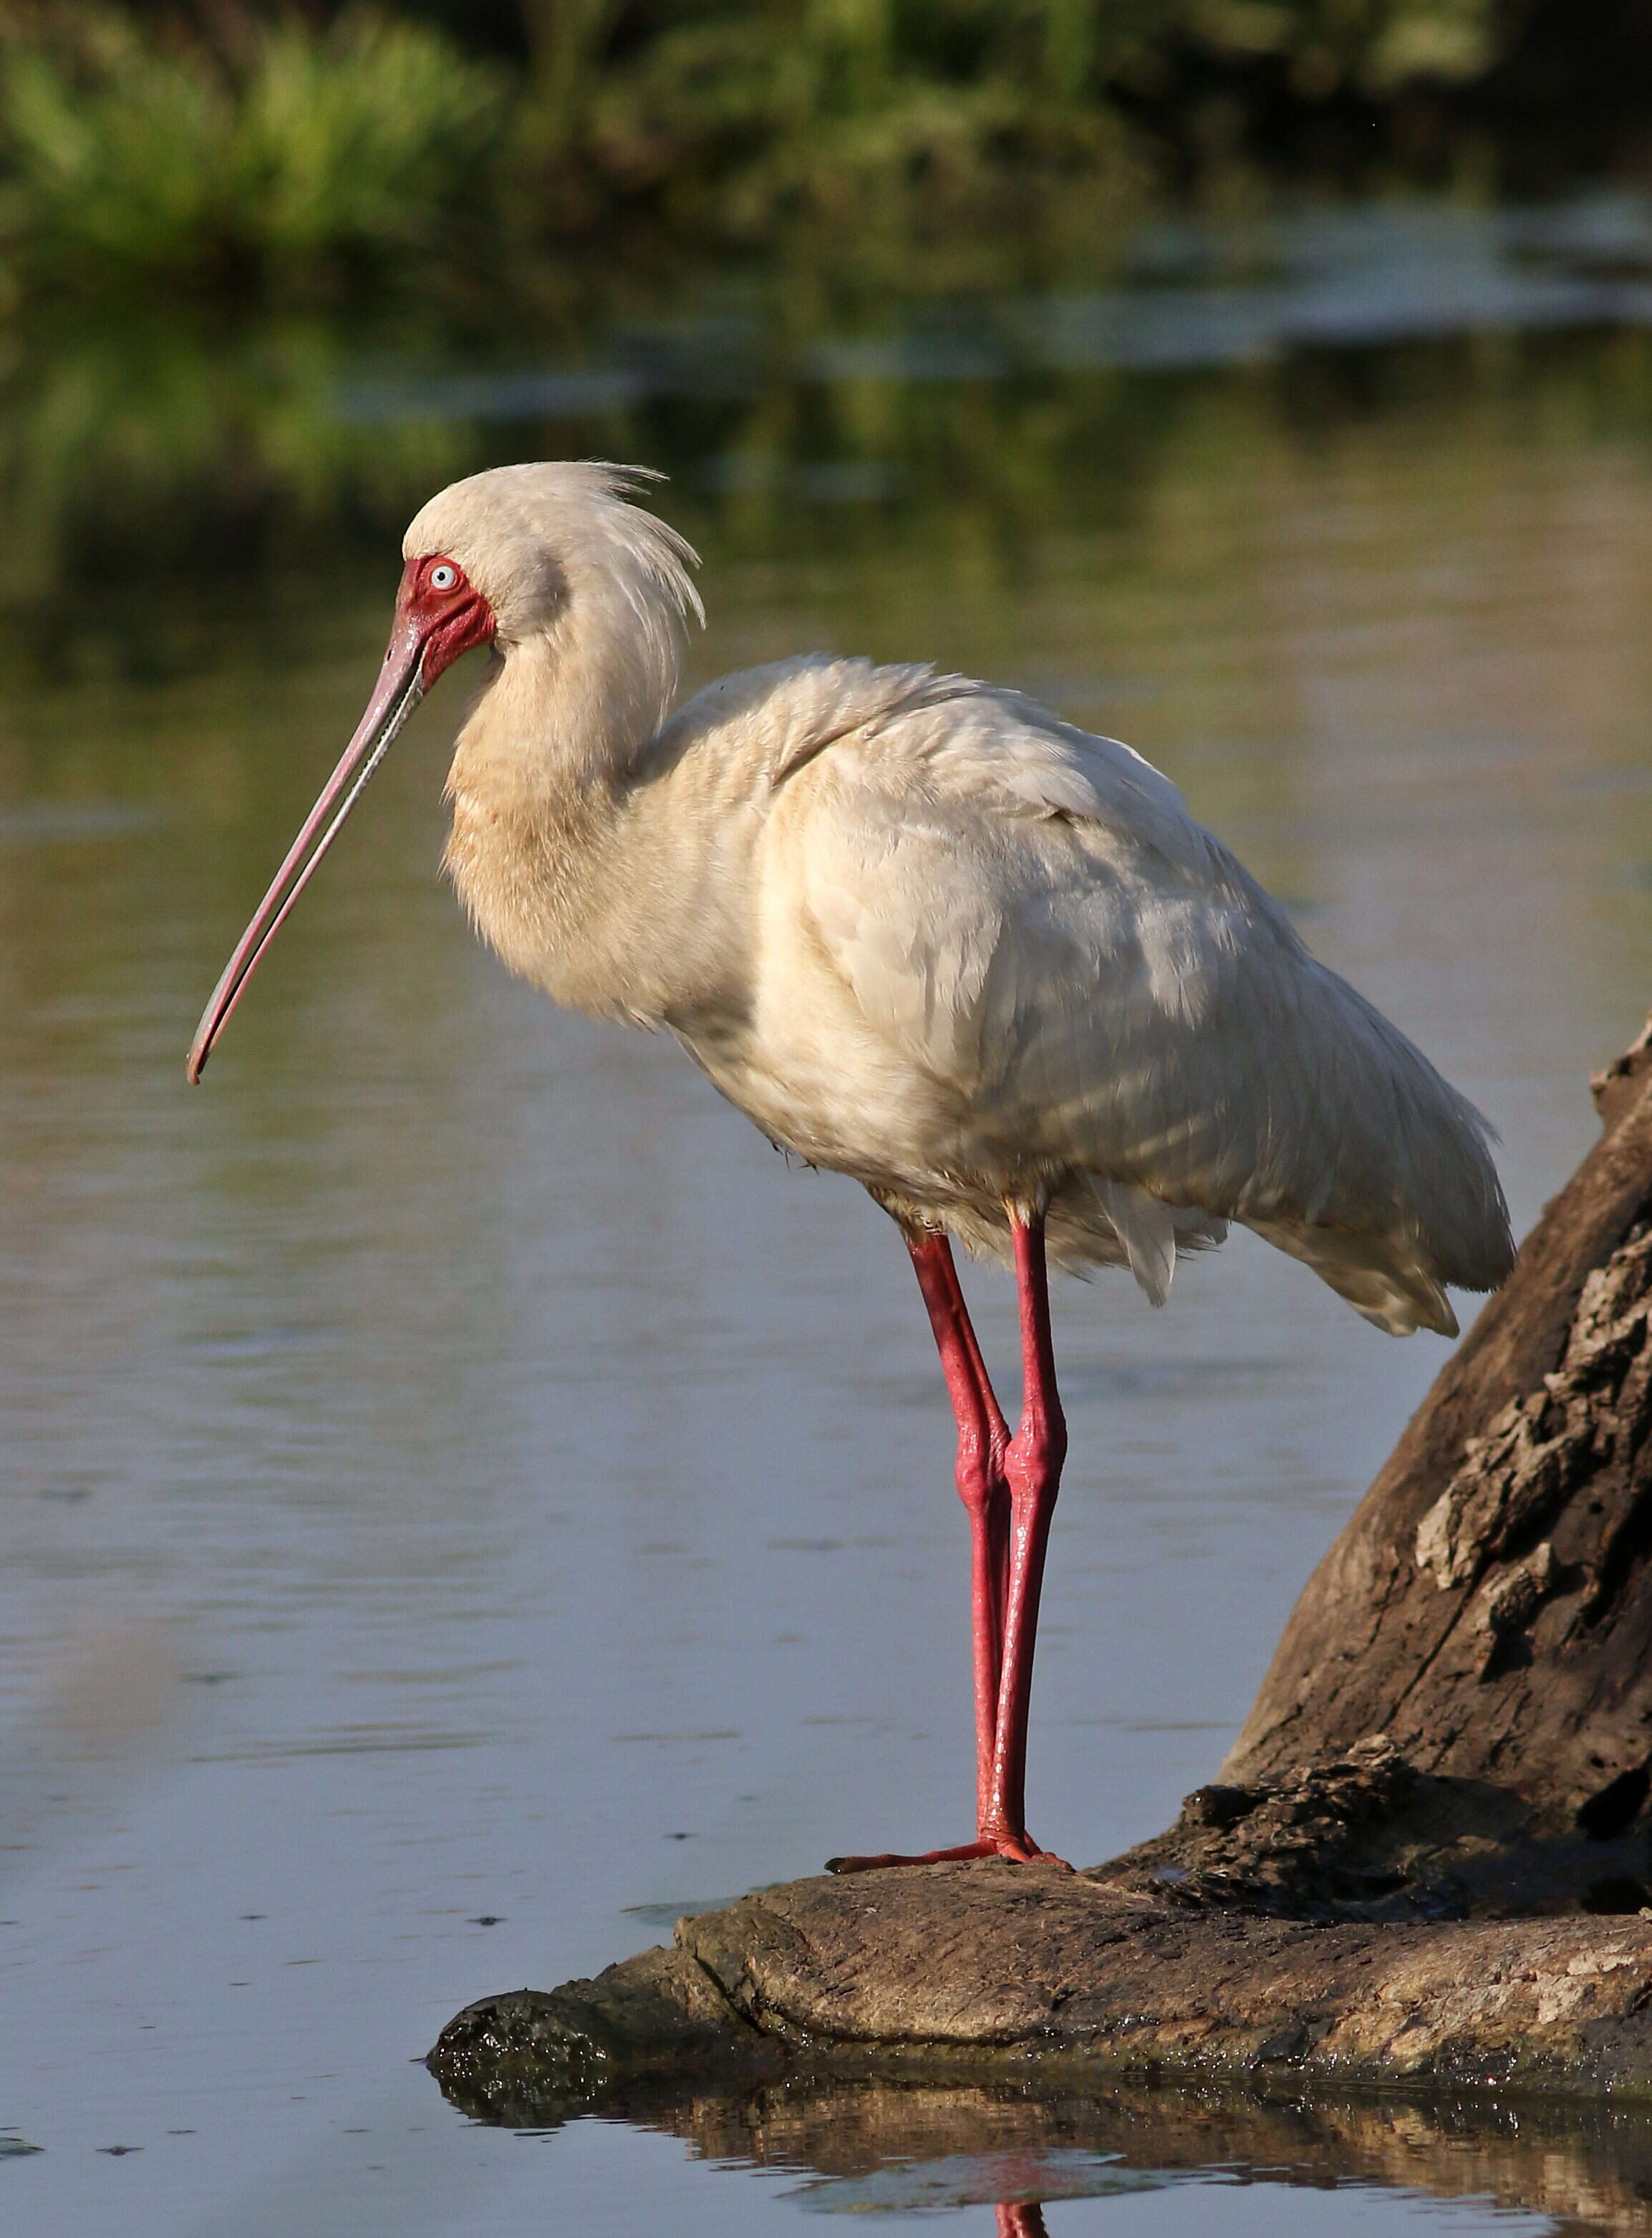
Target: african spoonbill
pixel 925 933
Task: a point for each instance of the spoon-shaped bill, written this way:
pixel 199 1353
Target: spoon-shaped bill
pixel 438 616
pixel 399 689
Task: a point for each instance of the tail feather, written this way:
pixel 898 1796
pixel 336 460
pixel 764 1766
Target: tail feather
pixel 1380 1278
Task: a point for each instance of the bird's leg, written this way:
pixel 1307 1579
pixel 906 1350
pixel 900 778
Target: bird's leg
pixel 1008 1531
pixel 1032 1467
pixel 1025 2219
pixel 983 1439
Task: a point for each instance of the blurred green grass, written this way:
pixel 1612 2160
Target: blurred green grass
pixel 293 159
pixel 281 153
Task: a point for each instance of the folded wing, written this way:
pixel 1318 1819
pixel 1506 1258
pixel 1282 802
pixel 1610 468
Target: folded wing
pixel 1031 915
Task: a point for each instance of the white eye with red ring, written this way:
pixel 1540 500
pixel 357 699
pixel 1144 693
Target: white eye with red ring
pixel 443 576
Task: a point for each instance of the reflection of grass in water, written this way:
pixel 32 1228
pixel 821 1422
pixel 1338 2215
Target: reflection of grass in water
pixel 155 451
pixel 154 457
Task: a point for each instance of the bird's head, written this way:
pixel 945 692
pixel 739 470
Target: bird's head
pixel 530 540
pixel 550 552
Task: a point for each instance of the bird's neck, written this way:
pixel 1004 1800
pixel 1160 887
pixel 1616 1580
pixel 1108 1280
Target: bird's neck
pixel 542 783
pixel 564 713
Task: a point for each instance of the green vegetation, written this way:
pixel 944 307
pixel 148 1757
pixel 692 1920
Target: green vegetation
pixel 283 153
pixel 225 230
pixel 295 158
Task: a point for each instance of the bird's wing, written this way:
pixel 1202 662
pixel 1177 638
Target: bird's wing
pixel 1033 916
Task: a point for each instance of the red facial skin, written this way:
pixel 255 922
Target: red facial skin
pixel 444 623
pixel 435 622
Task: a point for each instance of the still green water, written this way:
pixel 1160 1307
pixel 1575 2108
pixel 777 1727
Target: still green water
pixel 464 1500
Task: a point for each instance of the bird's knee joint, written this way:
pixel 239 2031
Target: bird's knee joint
pixel 980 1487
pixel 1039 1445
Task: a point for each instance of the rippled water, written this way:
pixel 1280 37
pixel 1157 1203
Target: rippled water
pixel 466 1501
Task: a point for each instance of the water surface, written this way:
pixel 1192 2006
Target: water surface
pixel 466 1500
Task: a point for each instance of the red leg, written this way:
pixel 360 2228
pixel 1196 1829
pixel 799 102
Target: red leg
pixel 1032 1467
pixel 983 1440
pixel 1008 1531
pixel 1026 2221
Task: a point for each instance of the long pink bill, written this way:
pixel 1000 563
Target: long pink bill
pixel 398 690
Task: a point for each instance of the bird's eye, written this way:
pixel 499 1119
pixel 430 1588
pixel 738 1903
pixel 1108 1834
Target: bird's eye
pixel 443 577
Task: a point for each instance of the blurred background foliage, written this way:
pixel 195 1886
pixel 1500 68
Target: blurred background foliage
pixel 281 156
pixel 296 151
pixel 223 222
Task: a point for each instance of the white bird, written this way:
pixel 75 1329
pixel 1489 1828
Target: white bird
pixel 925 933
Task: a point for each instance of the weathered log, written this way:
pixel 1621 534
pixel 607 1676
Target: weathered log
pixel 1458 1716
pixel 1489 1605
pixel 1453 1747
pixel 1066 1977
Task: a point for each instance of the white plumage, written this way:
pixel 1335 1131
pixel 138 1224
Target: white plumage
pixel 925 933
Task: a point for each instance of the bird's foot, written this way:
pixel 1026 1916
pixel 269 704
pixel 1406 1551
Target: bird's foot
pixel 1014 1849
